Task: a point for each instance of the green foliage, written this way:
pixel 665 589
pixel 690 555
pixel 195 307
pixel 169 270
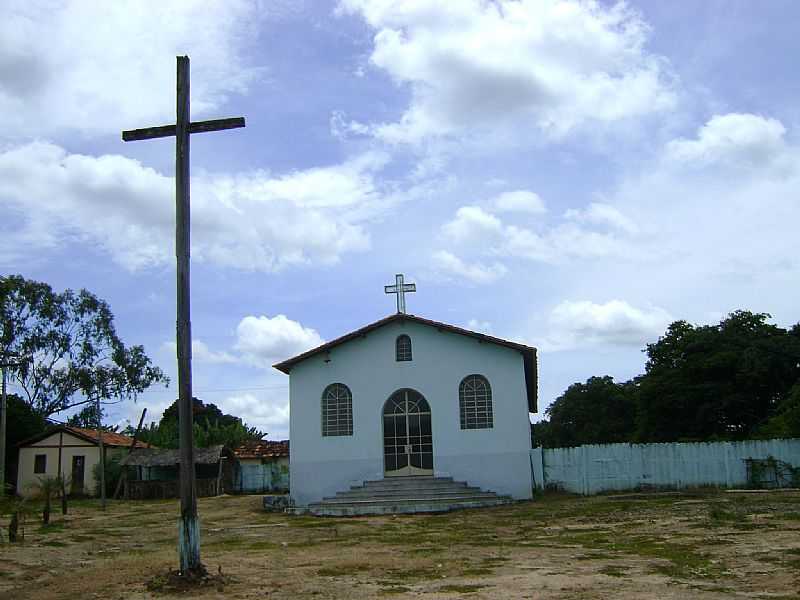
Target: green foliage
pixel 113 473
pixel 717 382
pixel 211 427
pixel 88 417
pixel 735 380
pixel 599 411
pixel 23 423
pixel 47 488
pixel 75 353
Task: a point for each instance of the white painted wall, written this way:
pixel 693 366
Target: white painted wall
pixel 72 446
pixel 592 469
pixel 496 459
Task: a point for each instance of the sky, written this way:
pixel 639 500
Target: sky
pixel 570 175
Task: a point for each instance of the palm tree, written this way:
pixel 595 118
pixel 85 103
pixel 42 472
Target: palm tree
pixel 47 488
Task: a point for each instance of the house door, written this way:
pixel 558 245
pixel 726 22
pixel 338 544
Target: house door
pixel 407 437
pixel 76 485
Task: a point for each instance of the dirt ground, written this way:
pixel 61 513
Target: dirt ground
pixel 692 545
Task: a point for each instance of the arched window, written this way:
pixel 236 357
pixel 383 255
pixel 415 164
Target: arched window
pixel 337 410
pixel 475 402
pixel 402 348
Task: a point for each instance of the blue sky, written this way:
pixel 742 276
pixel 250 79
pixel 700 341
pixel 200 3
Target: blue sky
pixel 573 175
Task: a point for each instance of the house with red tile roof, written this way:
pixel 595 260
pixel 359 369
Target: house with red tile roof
pixel 72 452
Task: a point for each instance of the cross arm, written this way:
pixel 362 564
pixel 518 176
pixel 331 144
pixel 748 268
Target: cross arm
pixel 149 133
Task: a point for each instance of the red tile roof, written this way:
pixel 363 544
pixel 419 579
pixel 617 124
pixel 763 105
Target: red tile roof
pixel 109 439
pixel 88 435
pixel 262 449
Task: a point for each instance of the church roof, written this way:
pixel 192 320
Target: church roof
pixel 528 352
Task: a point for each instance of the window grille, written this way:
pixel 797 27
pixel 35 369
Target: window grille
pixel 337 410
pixel 40 463
pixel 475 402
pixel 403 348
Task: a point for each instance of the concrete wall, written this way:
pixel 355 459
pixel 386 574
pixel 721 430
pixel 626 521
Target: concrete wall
pixel 598 468
pixel 496 459
pixel 71 446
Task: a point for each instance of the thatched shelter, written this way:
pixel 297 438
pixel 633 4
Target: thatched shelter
pixel 154 472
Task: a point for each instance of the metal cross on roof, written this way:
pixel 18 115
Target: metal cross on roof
pixel 400 289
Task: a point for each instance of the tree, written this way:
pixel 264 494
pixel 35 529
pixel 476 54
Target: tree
pixel 88 418
pixel 76 355
pixel 599 411
pixel 716 382
pixel 24 423
pixel 211 427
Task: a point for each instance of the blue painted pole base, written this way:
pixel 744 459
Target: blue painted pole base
pixel 189 545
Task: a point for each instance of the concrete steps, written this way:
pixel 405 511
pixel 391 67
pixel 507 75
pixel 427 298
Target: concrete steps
pixel 405 495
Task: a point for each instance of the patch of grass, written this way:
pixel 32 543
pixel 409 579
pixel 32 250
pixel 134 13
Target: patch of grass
pixel 53 527
pixel 613 571
pixel 54 544
pixel 397 589
pixel 343 570
pixel 412 574
pixel 461 588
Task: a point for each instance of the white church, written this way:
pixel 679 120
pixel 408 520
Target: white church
pixel 407 414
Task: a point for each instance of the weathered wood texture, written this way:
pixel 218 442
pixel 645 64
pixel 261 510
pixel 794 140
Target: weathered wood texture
pixel 149 133
pixel 149 490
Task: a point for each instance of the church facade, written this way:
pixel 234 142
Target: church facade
pixel 410 396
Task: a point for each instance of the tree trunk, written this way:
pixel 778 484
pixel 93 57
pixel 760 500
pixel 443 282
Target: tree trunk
pixel 13 527
pixel 46 512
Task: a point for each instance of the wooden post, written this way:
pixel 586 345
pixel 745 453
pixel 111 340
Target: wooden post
pixel 102 455
pixel 124 474
pixel 188 526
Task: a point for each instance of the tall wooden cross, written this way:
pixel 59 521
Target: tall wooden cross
pixel 400 289
pixel 188 526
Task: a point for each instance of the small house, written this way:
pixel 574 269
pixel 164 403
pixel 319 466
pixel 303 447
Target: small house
pixel 263 466
pixel 155 472
pixel 72 452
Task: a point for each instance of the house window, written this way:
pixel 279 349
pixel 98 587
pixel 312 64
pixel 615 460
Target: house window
pixel 475 402
pixel 40 463
pixel 337 410
pixel 403 348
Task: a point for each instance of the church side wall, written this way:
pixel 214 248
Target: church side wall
pixel 496 459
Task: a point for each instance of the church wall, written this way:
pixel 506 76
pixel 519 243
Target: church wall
pixel 495 459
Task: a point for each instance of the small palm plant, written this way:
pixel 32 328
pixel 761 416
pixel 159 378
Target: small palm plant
pixel 48 487
pixel 17 509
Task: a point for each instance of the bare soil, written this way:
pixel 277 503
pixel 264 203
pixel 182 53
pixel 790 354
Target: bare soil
pixel 693 545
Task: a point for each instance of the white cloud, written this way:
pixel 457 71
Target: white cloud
pixel 452 267
pixel 519 201
pixel 264 340
pixel 201 353
pixel 481 233
pixel 253 220
pixel 100 67
pixel 480 326
pixel 598 213
pixel 578 323
pixel 472 223
pixel 732 139
pixel 549 64
pixel 270 415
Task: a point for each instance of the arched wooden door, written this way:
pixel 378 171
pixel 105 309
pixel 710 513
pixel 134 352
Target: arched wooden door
pixel 407 436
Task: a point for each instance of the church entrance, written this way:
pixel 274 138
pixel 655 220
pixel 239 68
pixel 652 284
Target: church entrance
pixel 407 437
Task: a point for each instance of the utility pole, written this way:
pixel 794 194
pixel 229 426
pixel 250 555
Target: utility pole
pixel 6 361
pixel 188 524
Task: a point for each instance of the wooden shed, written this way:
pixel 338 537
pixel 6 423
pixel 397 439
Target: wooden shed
pixel 154 473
